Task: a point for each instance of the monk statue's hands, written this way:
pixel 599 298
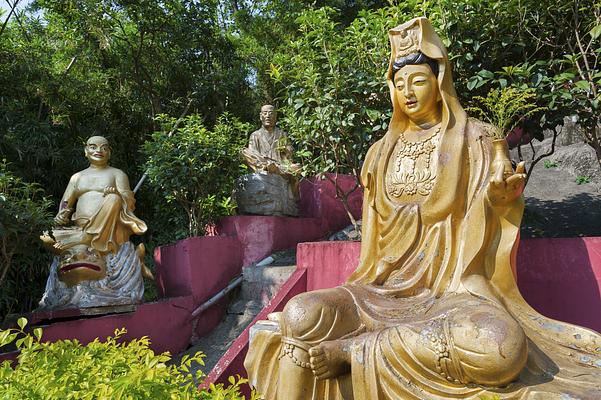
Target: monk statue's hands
pixel 110 190
pixel 63 217
pixel 502 191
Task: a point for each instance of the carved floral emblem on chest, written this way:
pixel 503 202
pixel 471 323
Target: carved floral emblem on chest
pixel 412 172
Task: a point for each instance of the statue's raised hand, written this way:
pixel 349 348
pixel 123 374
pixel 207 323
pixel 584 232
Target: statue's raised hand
pixel 502 191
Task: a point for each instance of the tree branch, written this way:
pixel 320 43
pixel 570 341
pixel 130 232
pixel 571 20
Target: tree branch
pixel 11 12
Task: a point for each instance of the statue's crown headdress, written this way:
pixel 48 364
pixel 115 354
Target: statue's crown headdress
pixel 405 41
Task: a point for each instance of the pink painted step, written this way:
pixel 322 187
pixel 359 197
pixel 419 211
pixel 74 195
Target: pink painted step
pixel 559 277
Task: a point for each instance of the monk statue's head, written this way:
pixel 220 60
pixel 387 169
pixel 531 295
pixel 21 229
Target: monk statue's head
pixel 98 150
pixel 268 116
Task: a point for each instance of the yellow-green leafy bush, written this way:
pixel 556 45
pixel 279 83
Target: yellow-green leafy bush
pixel 505 108
pixel 113 370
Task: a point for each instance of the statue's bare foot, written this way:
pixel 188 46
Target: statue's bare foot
pixel 330 359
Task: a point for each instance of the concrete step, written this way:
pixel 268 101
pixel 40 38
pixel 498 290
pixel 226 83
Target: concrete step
pixel 243 307
pixel 262 283
pixel 239 315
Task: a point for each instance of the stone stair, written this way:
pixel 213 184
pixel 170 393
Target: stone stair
pixel 260 283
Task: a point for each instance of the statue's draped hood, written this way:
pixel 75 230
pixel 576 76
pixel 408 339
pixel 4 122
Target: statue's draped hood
pixel 411 37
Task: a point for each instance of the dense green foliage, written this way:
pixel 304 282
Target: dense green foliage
pixel 330 81
pixel 23 216
pixel 112 369
pixel 195 167
pixel 73 68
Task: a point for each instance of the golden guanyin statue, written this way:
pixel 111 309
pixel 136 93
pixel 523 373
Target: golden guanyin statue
pixel 433 310
pixel 95 263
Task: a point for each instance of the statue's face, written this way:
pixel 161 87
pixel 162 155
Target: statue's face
pixel 268 116
pixel 417 93
pixel 98 150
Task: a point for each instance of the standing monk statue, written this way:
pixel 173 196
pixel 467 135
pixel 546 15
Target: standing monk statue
pixel 91 237
pixel 273 187
pixel 432 310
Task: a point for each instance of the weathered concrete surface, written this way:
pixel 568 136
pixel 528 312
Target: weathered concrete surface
pixel 265 194
pixel 260 285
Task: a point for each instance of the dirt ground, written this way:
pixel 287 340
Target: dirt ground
pixel 556 205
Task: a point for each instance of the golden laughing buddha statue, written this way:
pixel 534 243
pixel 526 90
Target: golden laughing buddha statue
pixel 433 310
pixel 91 238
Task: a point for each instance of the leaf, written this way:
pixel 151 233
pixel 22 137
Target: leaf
pixel 595 32
pixel 471 84
pixel 22 322
pixel 486 74
pixel 37 332
pixel 4 337
pixel 537 79
pixel 584 85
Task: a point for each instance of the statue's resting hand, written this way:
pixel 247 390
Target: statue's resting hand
pixel 109 190
pixel 501 191
pixel 63 216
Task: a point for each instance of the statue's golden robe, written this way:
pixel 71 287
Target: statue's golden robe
pixel 112 223
pixel 449 252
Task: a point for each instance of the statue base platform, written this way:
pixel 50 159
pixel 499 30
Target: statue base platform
pixel 122 285
pixel 265 194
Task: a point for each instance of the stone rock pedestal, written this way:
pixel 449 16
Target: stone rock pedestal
pixel 123 284
pixel 265 194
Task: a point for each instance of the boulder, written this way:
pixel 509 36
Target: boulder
pixel 265 194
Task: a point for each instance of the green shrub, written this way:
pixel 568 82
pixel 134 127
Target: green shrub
pixel 334 95
pixel 100 370
pixel 24 214
pixel 195 167
pixel 581 179
pixel 550 164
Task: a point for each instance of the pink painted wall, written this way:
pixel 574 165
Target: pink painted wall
pixel 328 264
pixel 320 213
pixel 260 236
pixel 559 277
pixel 318 200
pixel 197 266
pixel 166 323
pixel 188 272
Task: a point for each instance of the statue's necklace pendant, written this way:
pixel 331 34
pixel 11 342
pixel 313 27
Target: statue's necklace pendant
pixel 411 172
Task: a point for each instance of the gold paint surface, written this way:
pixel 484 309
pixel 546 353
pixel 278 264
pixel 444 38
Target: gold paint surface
pixel 432 310
pixel 95 217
